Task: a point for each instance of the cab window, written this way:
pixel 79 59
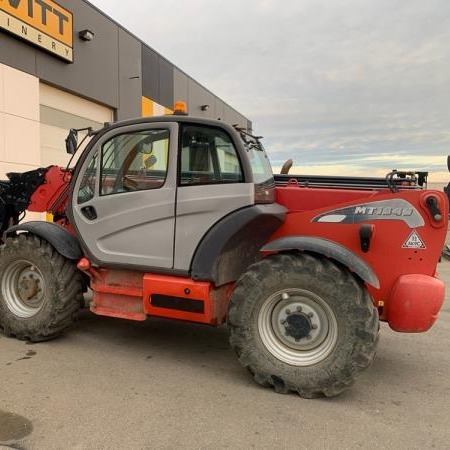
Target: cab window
pixel 208 156
pixel 134 162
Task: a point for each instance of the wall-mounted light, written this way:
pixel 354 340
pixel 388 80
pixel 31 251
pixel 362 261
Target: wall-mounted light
pixel 204 107
pixel 86 35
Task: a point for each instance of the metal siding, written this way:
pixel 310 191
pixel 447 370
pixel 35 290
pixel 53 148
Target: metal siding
pixel 232 117
pixel 198 96
pixel 180 81
pixel 219 109
pixel 94 73
pixel 130 67
pixel 17 54
pixel 249 126
pixel 150 74
pixel 166 77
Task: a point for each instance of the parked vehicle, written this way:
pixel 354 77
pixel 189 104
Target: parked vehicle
pixel 182 218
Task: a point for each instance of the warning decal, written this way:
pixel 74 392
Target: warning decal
pixel 414 241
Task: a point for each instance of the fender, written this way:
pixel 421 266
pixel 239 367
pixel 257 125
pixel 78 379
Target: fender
pixel 233 243
pixel 329 249
pixel 64 243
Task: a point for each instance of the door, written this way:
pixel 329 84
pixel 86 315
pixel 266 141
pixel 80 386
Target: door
pixel 211 186
pixel 123 202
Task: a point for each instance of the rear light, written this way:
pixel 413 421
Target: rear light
pixel 264 194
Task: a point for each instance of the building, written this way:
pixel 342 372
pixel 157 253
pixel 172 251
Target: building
pixel 67 65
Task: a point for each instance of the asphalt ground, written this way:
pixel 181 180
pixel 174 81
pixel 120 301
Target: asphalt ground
pixel 112 384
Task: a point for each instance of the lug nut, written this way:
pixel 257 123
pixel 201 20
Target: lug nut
pixel 309 337
pixel 310 315
pixel 299 309
pixel 314 326
pixel 288 311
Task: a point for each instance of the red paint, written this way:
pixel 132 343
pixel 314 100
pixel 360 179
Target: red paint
pixel 121 293
pixel 386 257
pixel 415 303
pixel 51 196
pixel 117 293
pixel 126 294
pixel 178 287
pixel 300 198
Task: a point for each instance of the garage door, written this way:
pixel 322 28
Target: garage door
pixel 60 111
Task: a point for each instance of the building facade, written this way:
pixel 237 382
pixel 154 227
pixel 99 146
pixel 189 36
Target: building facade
pixel 67 65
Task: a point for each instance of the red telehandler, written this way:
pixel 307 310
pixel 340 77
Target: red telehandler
pixel 182 218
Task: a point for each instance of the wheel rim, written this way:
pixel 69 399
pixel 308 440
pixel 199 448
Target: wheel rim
pixel 297 327
pixel 23 289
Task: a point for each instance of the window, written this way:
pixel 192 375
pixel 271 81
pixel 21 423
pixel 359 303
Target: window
pixel 208 156
pixel 134 162
pixel 87 185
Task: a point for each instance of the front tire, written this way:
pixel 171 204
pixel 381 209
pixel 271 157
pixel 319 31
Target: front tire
pixel 40 290
pixel 302 323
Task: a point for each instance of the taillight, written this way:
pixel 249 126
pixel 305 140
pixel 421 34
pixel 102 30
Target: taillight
pixel 264 194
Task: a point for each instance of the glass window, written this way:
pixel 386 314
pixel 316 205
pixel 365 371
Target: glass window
pixel 261 168
pixel 87 185
pixel 208 156
pixel 134 162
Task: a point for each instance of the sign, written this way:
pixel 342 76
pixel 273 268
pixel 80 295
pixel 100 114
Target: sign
pixel 42 22
pixel 414 241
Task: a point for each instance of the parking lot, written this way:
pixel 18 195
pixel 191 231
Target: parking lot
pixel 111 384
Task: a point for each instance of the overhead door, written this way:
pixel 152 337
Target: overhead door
pixel 61 111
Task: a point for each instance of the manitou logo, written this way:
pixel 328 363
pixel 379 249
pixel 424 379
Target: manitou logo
pixel 42 22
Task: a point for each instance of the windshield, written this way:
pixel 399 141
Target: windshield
pixel 259 161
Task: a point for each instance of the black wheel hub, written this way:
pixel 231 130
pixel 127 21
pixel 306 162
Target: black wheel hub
pixel 298 326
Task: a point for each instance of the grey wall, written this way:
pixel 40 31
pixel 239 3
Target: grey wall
pixel 94 73
pixel 195 95
pixel 157 77
pixel 15 53
pixel 130 76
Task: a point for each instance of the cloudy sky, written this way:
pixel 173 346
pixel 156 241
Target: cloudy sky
pixel 341 86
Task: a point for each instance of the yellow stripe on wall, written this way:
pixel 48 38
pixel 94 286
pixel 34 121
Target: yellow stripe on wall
pixel 151 108
pixel 147 107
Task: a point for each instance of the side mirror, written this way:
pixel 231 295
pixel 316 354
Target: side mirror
pixel 146 148
pixel 72 142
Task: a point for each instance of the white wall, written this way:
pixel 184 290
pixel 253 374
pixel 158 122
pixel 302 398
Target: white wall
pixel 19 121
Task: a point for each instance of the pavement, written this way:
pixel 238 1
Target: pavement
pixel 112 384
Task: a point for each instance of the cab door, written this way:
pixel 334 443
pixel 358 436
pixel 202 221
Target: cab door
pixel 212 185
pixel 123 201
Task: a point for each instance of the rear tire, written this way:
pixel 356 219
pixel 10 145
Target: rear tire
pixel 40 290
pixel 302 323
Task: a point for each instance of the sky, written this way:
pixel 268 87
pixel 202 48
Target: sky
pixel 345 87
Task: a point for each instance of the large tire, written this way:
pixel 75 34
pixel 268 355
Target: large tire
pixel 302 323
pixel 40 290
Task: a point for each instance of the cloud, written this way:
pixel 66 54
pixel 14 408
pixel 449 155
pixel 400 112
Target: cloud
pixel 324 80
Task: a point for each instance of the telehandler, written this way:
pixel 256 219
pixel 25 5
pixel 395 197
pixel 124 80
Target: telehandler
pixel 182 218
